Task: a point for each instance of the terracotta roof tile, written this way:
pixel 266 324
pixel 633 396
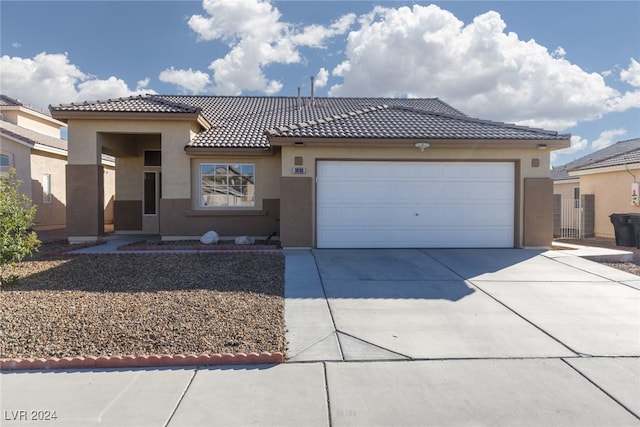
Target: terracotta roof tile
pixel 136 104
pixel 620 153
pixel 246 121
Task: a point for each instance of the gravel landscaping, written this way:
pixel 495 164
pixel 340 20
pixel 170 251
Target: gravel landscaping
pixel 142 304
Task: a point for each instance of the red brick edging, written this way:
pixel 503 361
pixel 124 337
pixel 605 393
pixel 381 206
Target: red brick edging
pixel 155 360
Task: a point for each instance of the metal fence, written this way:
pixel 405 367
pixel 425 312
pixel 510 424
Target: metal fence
pixel 570 219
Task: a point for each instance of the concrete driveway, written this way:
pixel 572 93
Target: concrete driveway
pixel 467 337
pixel 408 304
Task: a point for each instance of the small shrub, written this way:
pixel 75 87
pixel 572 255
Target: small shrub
pixel 16 219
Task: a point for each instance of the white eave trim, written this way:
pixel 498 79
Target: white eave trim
pixel 48 149
pixel 618 168
pixel 566 181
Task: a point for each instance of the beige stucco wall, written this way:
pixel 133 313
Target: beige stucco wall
pixel 612 191
pixel 39 123
pixel 565 188
pixel 85 147
pixel 31 165
pixel 526 159
pixel 51 214
pixel 126 140
pixel 109 192
pixel 20 159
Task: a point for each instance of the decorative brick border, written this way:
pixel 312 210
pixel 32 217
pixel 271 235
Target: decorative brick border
pixel 164 360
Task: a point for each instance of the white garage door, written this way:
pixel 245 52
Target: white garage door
pixel 415 204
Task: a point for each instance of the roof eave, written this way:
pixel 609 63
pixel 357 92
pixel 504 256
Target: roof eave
pixel 228 152
pixel 126 115
pixel 605 169
pixel 544 144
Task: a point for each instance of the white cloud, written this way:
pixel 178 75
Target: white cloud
pixel 51 79
pixel 256 37
pixel 322 78
pixel 559 52
pixel 425 51
pixel 188 81
pixel 577 144
pixel 317 35
pixel 607 138
pixel 142 84
pixel 16 45
pixel 632 74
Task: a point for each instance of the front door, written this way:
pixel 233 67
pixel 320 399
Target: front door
pixel 151 202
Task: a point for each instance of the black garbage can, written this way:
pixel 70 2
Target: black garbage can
pixel 625 235
pixel 634 222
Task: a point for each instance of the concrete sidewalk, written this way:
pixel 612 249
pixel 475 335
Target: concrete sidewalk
pixel 395 337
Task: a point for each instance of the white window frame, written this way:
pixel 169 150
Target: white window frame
pixel 227 205
pixel 46 188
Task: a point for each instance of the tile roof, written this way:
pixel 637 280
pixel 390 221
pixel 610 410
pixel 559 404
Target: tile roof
pixel 7 101
pixel 30 137
pixel 247 121
pixel 408 123
pixel 134 104
pixel 618 154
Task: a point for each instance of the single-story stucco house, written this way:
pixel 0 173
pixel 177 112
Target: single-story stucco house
pixel 30 143
pixel 604 179
pixel 322 172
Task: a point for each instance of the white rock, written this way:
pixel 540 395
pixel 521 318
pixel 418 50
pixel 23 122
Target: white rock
pixel 209 237
pixel 245 240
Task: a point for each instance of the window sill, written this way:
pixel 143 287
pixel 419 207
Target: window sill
pixel 226 212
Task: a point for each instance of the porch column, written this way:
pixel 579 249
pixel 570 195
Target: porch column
pixel 538 212
pixel 296 212
pixel 85 187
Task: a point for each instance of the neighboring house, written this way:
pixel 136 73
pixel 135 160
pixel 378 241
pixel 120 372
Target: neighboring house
pixel 323 172
pixel 30 143
pixel 606 176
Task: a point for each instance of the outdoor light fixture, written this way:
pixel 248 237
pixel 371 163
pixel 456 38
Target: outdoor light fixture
pixel 542 146
pixel 422 145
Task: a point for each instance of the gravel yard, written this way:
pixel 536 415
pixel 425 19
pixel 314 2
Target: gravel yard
pixel 141 304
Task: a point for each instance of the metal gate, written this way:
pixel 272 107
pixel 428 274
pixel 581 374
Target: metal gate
pixel 570 219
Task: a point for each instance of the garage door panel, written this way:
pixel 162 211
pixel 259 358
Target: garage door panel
pixel 429 204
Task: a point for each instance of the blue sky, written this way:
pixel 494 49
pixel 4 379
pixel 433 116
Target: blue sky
pixel 569 66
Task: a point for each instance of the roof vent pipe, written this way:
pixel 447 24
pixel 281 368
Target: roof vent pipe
pixel 312 90
pixel 299 100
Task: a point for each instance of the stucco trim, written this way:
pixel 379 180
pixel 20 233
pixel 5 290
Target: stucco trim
pixel 619 168
pixel 237 212
pixel 123 115
pixel 215 152
pixel 434 143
